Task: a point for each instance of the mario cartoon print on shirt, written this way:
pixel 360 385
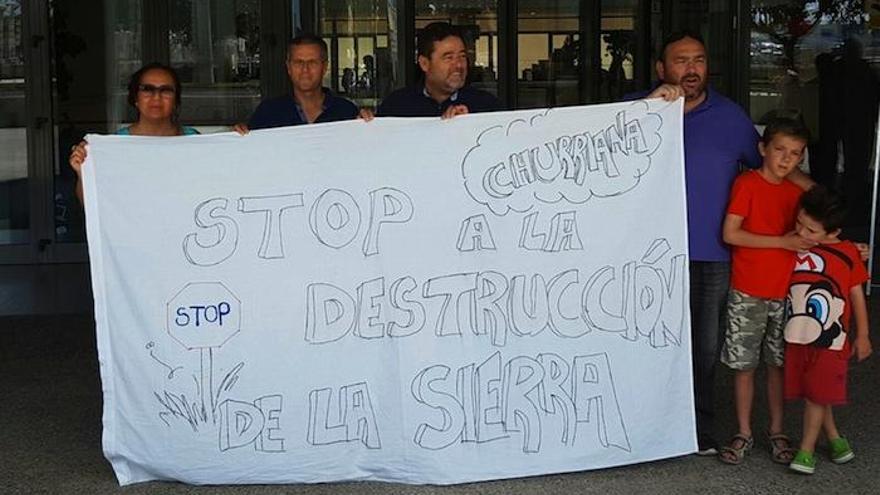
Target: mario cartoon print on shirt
pixel 817 302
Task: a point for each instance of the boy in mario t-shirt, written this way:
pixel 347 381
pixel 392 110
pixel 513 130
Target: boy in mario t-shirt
pixel 825 289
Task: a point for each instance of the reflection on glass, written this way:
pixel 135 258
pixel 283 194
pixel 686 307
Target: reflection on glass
pixel 346 57
pixel 548 58
pixel 819 62
pixel 478 19
pixel 362 61
pixel 14 214
pixel 89 92
pixel 215 47
pixel 617 48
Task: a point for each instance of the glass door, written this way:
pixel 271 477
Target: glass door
pixel 15 208
pixel 92 52
pixel 24 129
pixel 64 72
pixel 820 63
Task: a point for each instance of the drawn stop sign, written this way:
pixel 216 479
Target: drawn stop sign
pixel 203 315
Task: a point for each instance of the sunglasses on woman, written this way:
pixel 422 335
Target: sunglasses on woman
pixel 151 90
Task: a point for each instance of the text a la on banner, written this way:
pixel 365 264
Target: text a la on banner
pixel 408 300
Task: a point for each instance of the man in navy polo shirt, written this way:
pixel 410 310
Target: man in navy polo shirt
pixel 718 137
pixel 310 103
pixel 444 61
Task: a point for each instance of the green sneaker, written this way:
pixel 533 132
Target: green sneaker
pixel 803 462
pixel 841 452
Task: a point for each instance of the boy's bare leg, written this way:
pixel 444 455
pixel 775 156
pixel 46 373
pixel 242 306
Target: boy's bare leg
pixel 775 379
pixel 829 426
pixel 744 393
pixel 814 418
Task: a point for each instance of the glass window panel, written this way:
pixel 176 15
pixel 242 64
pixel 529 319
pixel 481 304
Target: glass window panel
pixel 478 20
pixel 367 59
pixel 14 198
pixel 348 65
pixel 549 22
pixel 361 37
pixel 328 76
pixel 482 52
pixel 548 58
pixel 533 60
pixel 91 64
pixel 89 93
pixel 559 41
pixel 818 61
pixel 617 48
pixel 215 47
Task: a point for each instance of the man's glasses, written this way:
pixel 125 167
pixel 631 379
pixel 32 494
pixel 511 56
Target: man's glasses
pixel 151 91
pixel 306 64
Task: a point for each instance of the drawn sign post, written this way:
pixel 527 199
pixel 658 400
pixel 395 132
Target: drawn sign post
pixel 407 300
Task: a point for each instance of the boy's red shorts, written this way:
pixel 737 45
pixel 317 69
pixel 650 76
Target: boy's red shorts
pixel 816 374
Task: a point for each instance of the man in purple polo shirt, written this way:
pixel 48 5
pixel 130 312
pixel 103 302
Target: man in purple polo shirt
pixel 718 138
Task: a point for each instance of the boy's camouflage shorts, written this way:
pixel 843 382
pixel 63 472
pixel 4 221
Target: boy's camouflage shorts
pixel 755 325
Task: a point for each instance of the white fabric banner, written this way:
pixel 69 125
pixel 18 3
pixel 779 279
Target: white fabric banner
pixel 409 300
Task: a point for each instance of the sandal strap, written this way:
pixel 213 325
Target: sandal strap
pixel 745 439
pixel 778 436
pixel 780 441
pixel 729 454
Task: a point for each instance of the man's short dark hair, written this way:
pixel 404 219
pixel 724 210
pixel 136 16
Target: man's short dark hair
pixel 824 206
pixel 678 36
pixel 785 126
pixel 308 39
pixel 436 31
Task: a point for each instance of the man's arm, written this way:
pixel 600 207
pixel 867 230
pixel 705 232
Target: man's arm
pixel 801 179
pixel 862 344
pixel 735 235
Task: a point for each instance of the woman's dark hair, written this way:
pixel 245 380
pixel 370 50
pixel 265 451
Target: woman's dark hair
pixel 135 81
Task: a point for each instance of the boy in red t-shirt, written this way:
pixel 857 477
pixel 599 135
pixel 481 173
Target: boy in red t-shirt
pixel 759 227
pixel 825 289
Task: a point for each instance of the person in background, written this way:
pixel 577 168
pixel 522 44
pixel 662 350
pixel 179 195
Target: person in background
pixel 309 102
pixel 154 92
pixel 443 59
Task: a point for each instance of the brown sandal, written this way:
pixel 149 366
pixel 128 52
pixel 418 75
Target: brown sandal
pixel 781 450
pixel 736 450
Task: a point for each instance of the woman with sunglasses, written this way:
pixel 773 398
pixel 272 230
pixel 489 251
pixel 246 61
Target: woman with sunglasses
pixel 154 92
